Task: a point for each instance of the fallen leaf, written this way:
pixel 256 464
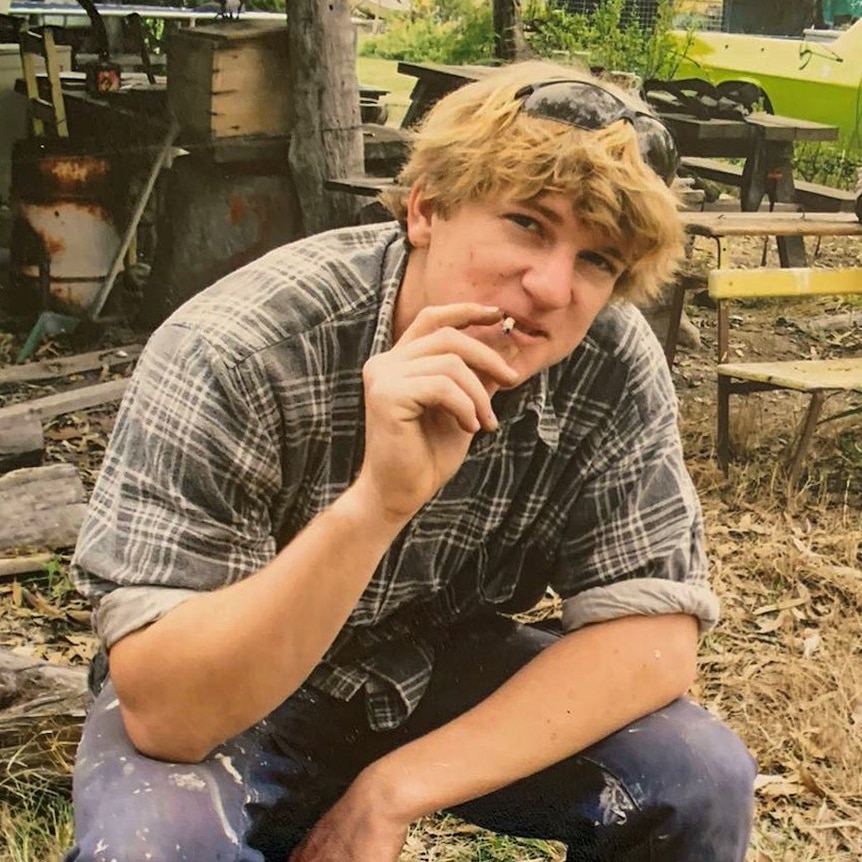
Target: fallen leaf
pixel 810 645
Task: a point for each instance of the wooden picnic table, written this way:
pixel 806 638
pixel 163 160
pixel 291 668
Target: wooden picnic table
pixel 433 81
pixel 764 141
pixel 722 225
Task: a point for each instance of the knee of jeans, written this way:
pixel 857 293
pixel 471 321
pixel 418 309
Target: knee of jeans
pixel 710 781
pixel 183 827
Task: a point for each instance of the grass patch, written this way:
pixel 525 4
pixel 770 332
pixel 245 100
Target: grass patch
pixel 35 825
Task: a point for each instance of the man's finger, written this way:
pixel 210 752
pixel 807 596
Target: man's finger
pixel 486 362
pixel 458 315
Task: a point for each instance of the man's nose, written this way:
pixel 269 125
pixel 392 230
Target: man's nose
pixel 550 282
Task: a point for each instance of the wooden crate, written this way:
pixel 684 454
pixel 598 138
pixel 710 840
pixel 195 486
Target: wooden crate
pixel 230 79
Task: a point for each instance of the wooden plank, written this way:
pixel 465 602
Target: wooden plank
pixel 692 129
pixel 712 169
pixel 803 375
pixel 23 565
pixel 46 369
pixel 41 507
pixel 363 186
pixel 43 710
pixel 811 196
pixel 724 224
pixel 788 281
pixel 777 128
pixel 21 443
pixel 64 402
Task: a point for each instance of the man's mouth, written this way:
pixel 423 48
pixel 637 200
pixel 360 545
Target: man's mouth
pixel 512 324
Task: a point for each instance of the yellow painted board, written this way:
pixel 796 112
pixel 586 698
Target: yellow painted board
pixel 804 375
pixel 788 281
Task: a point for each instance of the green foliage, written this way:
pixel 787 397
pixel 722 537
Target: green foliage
pixel 827 163
pixel 437 31
pixel 461 31
pixel 266 5
pixel 59 584
pixel 609 41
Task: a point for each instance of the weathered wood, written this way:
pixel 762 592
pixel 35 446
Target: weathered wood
pixel 229 79
pixel 42 710
pixel 47 369
pixel 22 443
pixel 41 507
pixel 719 224
pixel 12 566
pixel 810 196
pixel 63 402
pixel 509 41
pixel 326 140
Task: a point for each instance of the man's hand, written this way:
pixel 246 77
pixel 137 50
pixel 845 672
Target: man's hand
pixel 355 829
pixel 425 399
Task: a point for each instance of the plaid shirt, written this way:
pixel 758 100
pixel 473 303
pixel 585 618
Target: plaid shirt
pixel 244 419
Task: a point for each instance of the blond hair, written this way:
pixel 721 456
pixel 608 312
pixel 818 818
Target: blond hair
pixel 476 143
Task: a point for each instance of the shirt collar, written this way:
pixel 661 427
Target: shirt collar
pixel 392 274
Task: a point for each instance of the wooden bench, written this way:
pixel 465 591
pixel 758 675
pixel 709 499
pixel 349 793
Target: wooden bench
pixel 814 197
pixel 818 378
pixel 722 226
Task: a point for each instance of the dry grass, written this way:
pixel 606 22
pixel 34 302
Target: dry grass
pixel 784 668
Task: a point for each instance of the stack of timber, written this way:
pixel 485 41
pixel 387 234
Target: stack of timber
pixel 22 443
pixel 42 704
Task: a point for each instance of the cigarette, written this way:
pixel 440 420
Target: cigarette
pixel 508 325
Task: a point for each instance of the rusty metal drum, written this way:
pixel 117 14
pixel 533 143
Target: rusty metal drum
pixel 67 217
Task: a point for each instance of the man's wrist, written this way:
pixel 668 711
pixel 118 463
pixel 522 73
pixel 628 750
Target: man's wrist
pixel 366 500
pixel 399 795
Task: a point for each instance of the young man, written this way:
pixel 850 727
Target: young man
pixel 338 469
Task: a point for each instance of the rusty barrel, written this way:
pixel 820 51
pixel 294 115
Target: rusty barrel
pixel 67 207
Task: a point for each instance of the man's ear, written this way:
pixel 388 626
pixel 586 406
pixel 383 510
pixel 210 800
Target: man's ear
pixel 420 211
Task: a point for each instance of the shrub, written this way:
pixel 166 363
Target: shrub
pixel 437 31
pixel 610 38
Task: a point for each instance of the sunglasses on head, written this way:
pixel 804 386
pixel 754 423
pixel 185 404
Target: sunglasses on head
pixel 588 106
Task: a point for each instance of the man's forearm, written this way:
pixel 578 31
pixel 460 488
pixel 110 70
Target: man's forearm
pixel 579 690
pixel 223 660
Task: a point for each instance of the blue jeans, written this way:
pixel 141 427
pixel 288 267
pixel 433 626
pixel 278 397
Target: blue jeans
pixel 675 786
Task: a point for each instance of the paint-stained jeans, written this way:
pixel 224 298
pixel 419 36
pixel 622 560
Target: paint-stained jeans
pixel 675 786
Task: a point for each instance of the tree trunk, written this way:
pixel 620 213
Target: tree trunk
pixel 326 139
pixel 509 41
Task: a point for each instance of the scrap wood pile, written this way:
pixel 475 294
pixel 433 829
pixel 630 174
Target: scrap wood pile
pixel 55 415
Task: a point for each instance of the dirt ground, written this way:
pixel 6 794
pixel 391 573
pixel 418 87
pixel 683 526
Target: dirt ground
pixel 784 666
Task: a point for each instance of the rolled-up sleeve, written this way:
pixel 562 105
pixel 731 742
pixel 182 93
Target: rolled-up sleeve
pixel 634 543
pixel 183 500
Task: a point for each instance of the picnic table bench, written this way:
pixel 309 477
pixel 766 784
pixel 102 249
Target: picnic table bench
pixel 816 197
pixel 721 226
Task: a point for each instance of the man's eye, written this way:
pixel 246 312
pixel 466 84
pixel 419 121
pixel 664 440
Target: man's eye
pixel 606 264
pixel 524 221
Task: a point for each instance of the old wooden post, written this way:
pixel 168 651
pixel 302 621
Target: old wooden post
pixel 509 41
pixel 326 140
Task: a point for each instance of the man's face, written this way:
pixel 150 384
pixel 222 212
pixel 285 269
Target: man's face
pixel 534 260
